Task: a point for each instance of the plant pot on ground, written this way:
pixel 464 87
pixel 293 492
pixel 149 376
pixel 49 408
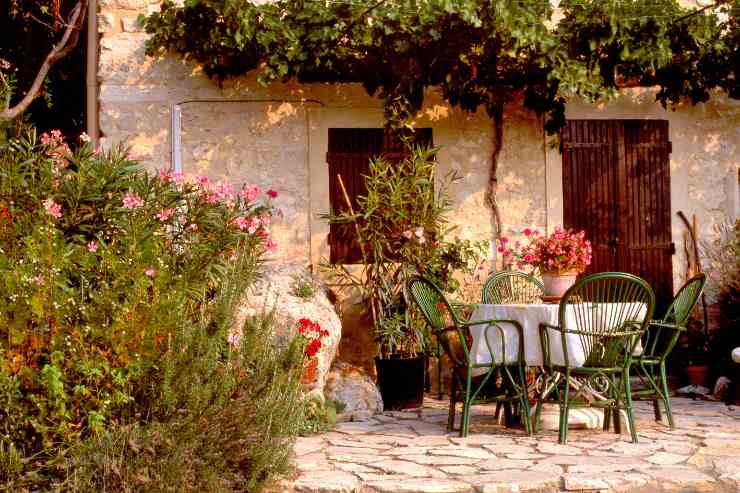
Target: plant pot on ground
pixel 401 381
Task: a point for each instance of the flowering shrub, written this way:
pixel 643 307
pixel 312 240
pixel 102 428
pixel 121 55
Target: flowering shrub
pixel 310 334
pixel 563 250
pixel 101 266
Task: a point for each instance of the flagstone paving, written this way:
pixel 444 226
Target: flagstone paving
pixel 411 452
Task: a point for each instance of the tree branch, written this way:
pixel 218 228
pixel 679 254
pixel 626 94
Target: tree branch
pixel 60 50
pixel 496 111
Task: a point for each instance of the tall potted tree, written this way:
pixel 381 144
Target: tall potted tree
pixel 400 225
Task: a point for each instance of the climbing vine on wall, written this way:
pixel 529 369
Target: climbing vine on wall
pixel 479 53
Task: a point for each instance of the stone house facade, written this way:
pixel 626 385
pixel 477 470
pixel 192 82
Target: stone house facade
pixel 277 137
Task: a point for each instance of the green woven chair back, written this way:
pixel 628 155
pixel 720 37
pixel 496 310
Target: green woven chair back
pixel 607 313
pixel 511 287
pixel 441 318
pixel 685 300
pixel 659 341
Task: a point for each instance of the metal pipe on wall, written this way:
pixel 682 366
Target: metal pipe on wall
pixel 91 73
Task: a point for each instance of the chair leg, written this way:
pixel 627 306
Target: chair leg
pixel 563 429
pixel 524 400
pixel 465 424
pixel 666 396
pixel 607 418
pixel 453 404
pixel 497 413
pixel 628 405
pixel 656 410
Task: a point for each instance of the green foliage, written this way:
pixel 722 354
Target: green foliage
pixel 321 415
pixel 402 227
pixel 722 255
pixel 479 52
pixel 304 287
pixel 118 288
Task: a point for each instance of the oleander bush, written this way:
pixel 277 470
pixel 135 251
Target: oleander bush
pixel 116 296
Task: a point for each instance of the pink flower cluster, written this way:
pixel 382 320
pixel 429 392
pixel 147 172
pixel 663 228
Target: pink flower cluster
pixel 166 214
pixel 417 232
pixel 171 176
pixel 563 250
pixel 52 208
pixel 132 201
pixel 57 149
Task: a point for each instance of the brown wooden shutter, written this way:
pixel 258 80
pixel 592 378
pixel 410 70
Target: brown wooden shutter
pixel 616 179
pixel 349 153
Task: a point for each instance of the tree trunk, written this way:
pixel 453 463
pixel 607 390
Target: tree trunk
pixel 60 50
pixel 496 110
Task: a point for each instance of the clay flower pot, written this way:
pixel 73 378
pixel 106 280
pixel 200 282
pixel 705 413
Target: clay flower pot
pixel 557 282
pixel 697 374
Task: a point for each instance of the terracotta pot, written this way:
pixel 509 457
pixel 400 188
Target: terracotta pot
pixel 697 374
pixel 310 371
pixel 557 282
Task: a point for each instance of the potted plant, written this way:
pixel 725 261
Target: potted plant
pixel 400 226
pixel 559 257
pixel 696 346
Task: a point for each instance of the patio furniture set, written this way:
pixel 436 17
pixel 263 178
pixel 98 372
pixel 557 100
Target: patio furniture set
pixel 579 352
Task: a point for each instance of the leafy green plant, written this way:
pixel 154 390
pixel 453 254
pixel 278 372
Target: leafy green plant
pixel 722 255
pixel 401 225
pixel 321 415
pixel 304 287
pixel 478 52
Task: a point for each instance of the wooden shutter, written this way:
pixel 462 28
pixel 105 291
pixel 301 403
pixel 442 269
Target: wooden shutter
pixel 647 222
pixel 350 150
pixel 616 179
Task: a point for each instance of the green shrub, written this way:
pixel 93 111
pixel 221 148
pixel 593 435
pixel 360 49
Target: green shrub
pixel 117 290
pixel 304 287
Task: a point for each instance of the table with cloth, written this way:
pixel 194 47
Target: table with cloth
pixel 530 317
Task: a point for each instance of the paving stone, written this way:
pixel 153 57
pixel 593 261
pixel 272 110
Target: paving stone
pixel 352 467
pixel 483 439
pixel 510 449
pixel 681 448
pixel 308 445
pixel 593 464
pixel 666 459
pixel 624 482
pixel 327 482
pixel 352 450
pixel 440 460
pixel 525 456
pixel 456 451
pixel 411 450
pixel 394 466
pixel 579 482
pixel 682 476
pixel 499 464
pixel 358 443
pixel 459 470
pixel 417 485
pixel 354 458
pixel 558 449
pixel 511 481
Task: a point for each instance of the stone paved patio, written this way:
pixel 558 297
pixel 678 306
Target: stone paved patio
pixel 406 453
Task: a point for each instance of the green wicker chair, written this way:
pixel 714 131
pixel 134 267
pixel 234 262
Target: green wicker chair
pixel 454 336
pixel 600 321
pixel 658 342
pixel 511 287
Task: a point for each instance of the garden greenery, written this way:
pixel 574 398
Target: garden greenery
pixel 478 52
pixel 117 289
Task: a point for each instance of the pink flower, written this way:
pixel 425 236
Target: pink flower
pixel 419 232
pixel 271 193
pixel 234 339
pixel 408 234
pixel 52 208
pixel 193 227
pixel 165 214
pixel 270 245
pixel 38 279
pixel 150 272
pixel 527 232
pixel 504 240
pixel 224 191
pixel 250 193
pixel 92 246
pixel 132 201
pixel 84 137
pixel 203 180
pixel 98 151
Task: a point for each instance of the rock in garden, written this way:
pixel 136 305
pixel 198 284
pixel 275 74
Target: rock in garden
pixel 295 294
pixel 353 387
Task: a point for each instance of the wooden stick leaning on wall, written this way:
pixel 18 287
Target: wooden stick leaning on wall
pixel 362 247
pixel 693 227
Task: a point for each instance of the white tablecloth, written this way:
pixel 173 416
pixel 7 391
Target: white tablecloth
pixel 530 317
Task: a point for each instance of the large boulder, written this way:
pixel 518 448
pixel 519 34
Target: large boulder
pixel 278 288
pixel 355 388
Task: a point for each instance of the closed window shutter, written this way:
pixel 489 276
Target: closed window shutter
pixel 348 156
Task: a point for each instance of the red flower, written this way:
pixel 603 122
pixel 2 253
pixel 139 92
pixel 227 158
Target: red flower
pixel 271 193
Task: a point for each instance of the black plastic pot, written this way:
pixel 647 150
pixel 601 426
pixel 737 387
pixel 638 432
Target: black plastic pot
pixel 401 382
